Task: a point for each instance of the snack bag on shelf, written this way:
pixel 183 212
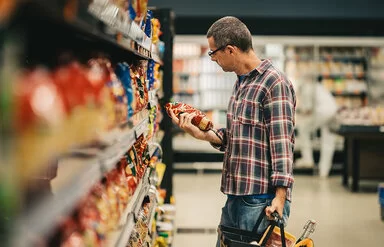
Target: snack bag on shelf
pixel 80 96
pixel 156 33
pixel 140 90
pixel 113 190
pixel 39 121
pixel 141 147
pixel 98 74
pixel 112 193
pixel 152 122
pixel 147 24
pixel 123 73
pixel 105 208
pixel 150 74
pixel 121 101
pixel 131 161
pixel 71 234
pixel 140 9
pixel 90 221
pixel 200 120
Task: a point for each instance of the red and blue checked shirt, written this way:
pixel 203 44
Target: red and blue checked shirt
pixel 259 138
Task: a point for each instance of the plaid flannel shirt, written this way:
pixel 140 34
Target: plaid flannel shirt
pixel 259 138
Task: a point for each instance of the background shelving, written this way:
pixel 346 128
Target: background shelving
pixel 342 65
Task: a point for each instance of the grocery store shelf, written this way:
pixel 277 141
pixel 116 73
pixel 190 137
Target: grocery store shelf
pixel 156 57
pixel 130 30
pixel 350 94
pixel 351 129
pixel 85 28
pixel 152 216
pixel 344 59
pixel 76 178
pixel 121 236
pixel 341 76
pixel 126 232
pixel 111 156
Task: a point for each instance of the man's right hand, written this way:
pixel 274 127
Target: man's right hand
pixel 184 121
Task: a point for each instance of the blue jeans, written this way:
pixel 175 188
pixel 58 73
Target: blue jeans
pixel 243 211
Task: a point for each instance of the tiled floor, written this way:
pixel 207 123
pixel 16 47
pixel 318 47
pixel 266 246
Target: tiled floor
pixel 344 218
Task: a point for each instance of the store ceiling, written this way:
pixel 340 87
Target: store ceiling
pixel 282 17
pixel 276 8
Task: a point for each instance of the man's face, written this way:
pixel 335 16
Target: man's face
pixel 220 55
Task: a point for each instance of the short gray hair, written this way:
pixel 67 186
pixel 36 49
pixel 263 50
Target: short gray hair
pixel 231 31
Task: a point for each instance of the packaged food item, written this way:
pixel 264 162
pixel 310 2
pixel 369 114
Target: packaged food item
pixel 80 100
pixel 274 239
pixel 147 24
pixel 139 89
pixel 123 73
pixel 98 74
pixel 89 221
pixel 71 235
pixel 200 120
pixel 141 147
pixel 130 169
pixel 151 74
pixel 104 208
pixel 156 33
pixel 39 116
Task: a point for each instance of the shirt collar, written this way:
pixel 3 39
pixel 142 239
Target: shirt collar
pixel 263 66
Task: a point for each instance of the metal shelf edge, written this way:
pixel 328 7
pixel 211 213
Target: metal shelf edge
pixel 47 212
pixel 126 232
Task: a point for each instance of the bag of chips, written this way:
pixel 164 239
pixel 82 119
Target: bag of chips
pixel 200 120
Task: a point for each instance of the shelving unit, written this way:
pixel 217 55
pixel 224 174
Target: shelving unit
pixel 47 30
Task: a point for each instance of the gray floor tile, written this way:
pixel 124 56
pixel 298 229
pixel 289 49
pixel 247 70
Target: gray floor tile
pixel 344 218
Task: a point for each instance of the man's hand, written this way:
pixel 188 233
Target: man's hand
pixel 277 202
pixel 185 122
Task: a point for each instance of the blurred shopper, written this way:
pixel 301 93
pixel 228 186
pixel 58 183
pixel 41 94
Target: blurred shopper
pixel 259 138
pixel 316 110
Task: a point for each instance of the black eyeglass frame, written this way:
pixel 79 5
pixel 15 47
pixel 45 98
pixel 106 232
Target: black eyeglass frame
pixel 210 53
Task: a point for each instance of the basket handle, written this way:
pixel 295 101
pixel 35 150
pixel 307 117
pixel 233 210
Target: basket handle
pixel 258 221
pixel 277 221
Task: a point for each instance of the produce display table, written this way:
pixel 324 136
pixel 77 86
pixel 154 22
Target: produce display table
pixel 364 153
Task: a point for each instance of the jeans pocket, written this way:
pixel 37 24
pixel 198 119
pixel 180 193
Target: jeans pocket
pixel 254 202
pixel 250 209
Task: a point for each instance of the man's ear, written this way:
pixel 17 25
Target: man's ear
pixel 231 49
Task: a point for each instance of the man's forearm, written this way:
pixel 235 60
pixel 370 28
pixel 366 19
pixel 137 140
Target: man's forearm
pixel 212 137
pixel 281 193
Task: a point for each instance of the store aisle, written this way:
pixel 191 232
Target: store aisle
pixel 344 218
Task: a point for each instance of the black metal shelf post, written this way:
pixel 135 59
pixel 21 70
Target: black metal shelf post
pixel 166 18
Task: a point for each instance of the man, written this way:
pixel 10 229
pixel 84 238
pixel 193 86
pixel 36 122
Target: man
pixel 259 138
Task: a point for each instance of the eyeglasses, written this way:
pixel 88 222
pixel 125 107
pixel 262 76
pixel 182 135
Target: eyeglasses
pixel 210 53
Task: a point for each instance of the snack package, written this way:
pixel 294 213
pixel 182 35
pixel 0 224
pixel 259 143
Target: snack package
pixel 200 120
pixel 275 239
pixel 123 73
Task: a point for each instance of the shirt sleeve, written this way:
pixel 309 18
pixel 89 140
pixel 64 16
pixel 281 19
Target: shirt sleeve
pixel 223 137
pixel 279 113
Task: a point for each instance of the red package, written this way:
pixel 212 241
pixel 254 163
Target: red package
pixel 200 120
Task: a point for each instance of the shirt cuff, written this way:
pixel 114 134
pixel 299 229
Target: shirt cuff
pixel 220 134
pixel 282 179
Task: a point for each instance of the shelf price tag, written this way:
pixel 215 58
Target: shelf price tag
pixel 381 129
pixel 129 139
pixel 141 128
